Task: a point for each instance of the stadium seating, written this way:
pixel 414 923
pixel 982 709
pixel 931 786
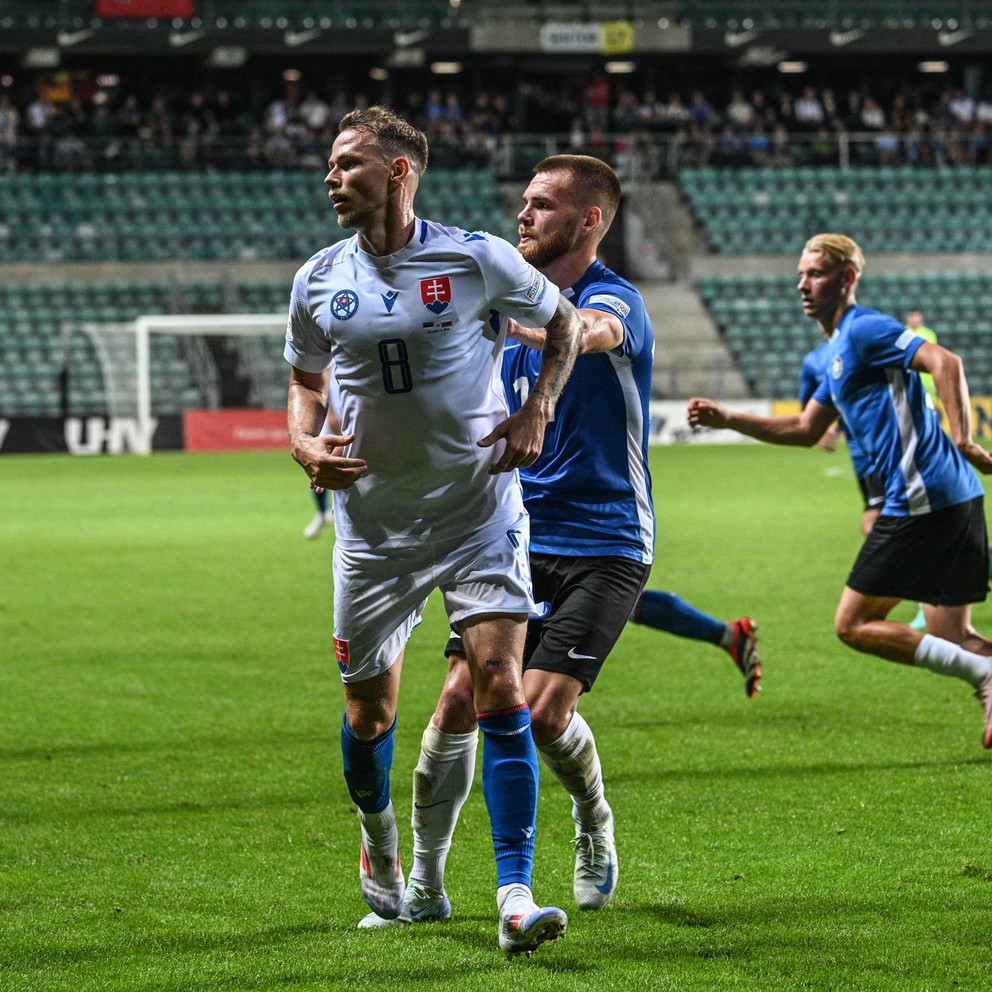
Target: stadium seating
pixel 32 345
pixel 898 209
pixel 148 216
pixel 765 330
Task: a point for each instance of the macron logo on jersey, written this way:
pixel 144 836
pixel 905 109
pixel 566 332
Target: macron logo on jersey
pixel 389 299
pixel 613 302
pixel 436 293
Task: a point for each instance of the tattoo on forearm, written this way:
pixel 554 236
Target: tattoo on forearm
pixel 561 346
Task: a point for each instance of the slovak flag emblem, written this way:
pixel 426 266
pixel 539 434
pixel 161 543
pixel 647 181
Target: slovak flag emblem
pixel 342 654
pixel 436 293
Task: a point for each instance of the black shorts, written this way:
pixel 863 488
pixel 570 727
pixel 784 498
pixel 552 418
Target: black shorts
pixel 872 490
pixel 940 557
pixel 591 600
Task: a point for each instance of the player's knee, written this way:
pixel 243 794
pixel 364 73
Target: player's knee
pixel 455 712
pixel 849 631
pixel 367 722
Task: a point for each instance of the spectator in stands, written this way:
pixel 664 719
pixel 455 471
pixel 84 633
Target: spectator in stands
pixel 37 126
pixel 738 113
pixel 315 113
pixel 808 111
pixel 10 120
pixel 596 103
pixel 962 107
pixel 700 111
pixel 872 115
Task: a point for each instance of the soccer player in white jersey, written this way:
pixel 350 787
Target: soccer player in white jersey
pixel 929 543
pixel 426 493
pixel 592 538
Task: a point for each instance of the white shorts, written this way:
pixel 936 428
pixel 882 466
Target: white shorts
pixel 379 597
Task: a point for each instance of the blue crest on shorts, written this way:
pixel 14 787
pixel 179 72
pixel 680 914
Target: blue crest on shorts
pixel 344 304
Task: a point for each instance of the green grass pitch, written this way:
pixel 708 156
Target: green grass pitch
pixel 174 816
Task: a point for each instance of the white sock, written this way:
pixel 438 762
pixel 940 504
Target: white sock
pixel 442 781
pixel 574 760
pixel 946 658
pixel 380 832
pixel 514 899
pixel 729 635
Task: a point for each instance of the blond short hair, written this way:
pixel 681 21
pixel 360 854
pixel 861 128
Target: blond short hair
pixel 840 248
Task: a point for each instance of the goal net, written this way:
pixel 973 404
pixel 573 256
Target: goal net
pixel 160 365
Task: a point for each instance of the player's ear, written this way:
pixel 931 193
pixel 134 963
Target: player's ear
pixel 399 170
pixel 593 218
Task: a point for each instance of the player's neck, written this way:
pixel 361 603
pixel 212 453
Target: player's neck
pixel 831 324
pixel 567 270
pixel 388 235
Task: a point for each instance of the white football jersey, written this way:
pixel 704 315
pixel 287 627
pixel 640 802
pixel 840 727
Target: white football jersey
pixel 416 350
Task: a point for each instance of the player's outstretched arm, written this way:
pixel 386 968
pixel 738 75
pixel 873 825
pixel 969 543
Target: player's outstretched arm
pixel 601 331
pixel 802 430
pixel 949 379
pixel 306 409
pixel 523 431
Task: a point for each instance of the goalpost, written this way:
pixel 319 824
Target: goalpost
pixel 172 363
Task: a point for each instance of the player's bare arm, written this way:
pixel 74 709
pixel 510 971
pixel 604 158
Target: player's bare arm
pixel 601 331
pixel 306 409
pixel 949 379
pixel 803 429
pixel 523 431
pixel 533 337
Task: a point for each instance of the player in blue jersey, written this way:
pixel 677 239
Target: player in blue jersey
pixel 424 479
pixel 592 537
pixel 872 494
pixel 929 543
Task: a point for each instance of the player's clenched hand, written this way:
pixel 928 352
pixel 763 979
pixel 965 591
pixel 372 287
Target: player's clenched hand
pixel 977 456
pixel 523 432
pixel 705 413
pixel 321 458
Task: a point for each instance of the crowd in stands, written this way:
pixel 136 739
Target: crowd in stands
pixel 84 127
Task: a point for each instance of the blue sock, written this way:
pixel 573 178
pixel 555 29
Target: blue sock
pixel 366 768
pixel 509 784
pixel 666 611
pixel 321 499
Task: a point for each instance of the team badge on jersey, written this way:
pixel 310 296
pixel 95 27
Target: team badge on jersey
pixel 344 304
pixel 837 367
pixel 342 654
pixel 436 293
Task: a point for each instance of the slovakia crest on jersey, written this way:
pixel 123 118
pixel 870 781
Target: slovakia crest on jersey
pixel 436 293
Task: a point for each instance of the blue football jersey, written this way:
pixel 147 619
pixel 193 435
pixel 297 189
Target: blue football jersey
pixel 883 403
pixel 589 493
pixel 810 376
